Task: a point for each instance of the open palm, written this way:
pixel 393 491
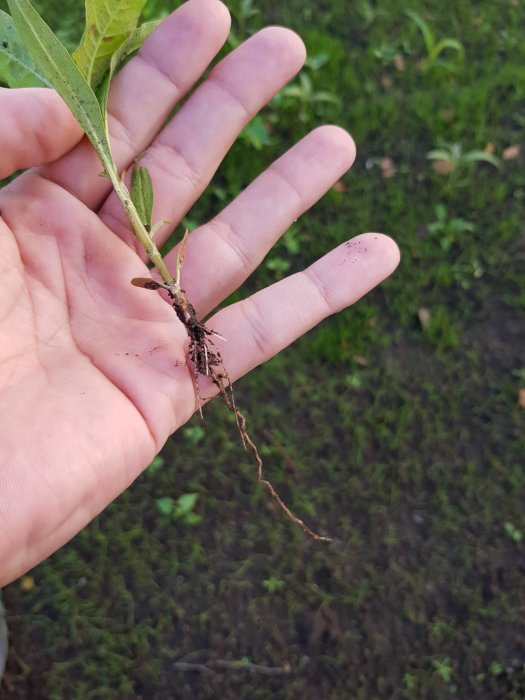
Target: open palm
pixel 93 372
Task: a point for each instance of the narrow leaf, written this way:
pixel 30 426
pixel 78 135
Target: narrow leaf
pixel 60 71
pixel 17 68
pixel 142 194
pixel 443 45
pixel 424 28
pixel 108 24
pixel 131 44
pixel 439 154
pixel 476 156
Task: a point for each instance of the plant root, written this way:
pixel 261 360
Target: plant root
pixel 206 361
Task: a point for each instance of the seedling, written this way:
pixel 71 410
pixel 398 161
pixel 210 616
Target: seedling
pixel 512 531
pixel 30 53
pixel 448 230
pixel 437 47
pixel 305 97
pixel 180 509
pixel 444 669
pixel 273 584
pixel 456 159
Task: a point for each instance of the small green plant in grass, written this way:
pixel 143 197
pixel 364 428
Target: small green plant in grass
pixel 444 669
pixel 291 241
pixel 410 681
pixel 457 160
pixel 257 133
pixel 448 230
pixel 512 531
pixel 273 584
pixel 436 48
pixel 194 434
pixel 181 508
pixel 302 97
pixel 389 52
pixel 496 668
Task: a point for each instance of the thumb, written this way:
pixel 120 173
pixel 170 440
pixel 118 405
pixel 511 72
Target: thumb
pixel 36 127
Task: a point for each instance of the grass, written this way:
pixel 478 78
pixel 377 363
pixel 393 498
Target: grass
pixel 402 438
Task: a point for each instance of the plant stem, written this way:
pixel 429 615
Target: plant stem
pixel 140 231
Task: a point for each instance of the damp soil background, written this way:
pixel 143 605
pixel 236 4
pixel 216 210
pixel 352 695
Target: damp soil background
pixel 395 427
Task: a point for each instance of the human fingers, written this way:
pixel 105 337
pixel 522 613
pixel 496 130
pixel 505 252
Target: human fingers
pixel 221 254
pixel 144 93
pixel 258 327
pixel 36 127
pixel 186 154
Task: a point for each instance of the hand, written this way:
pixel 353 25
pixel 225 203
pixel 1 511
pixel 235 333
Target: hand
pixel 93 371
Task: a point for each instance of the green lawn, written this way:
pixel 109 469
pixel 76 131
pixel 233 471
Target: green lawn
pixel 394 427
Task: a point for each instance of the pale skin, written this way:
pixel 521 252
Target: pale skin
pixel 93 371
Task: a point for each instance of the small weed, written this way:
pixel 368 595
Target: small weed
pixel 256 134
pixel 444 669
pixel 410 681
pixel 180 509
pixel 437 47
pixel 273 584
pixel 513 532
pixel 448 230
pixel 278 265
pixel 496 668
pixel 194 434
pixel 450 158
pixel 354 380
pixel 389 52
pixel 291 242
pixel 302 98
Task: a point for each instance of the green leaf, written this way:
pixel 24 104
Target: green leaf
pixel 476 156
pixel 108 24
pixel 142 194
pixel 256 133
pixel 194 433
pixel 444 44
pixel 424 28
pixel 439 154
pixel 165 505
pixel 186 503
pixel 60 71
pixel 131 44
pixel 318 61
pixel 17 68
pixel 192 519
pixel 158 463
